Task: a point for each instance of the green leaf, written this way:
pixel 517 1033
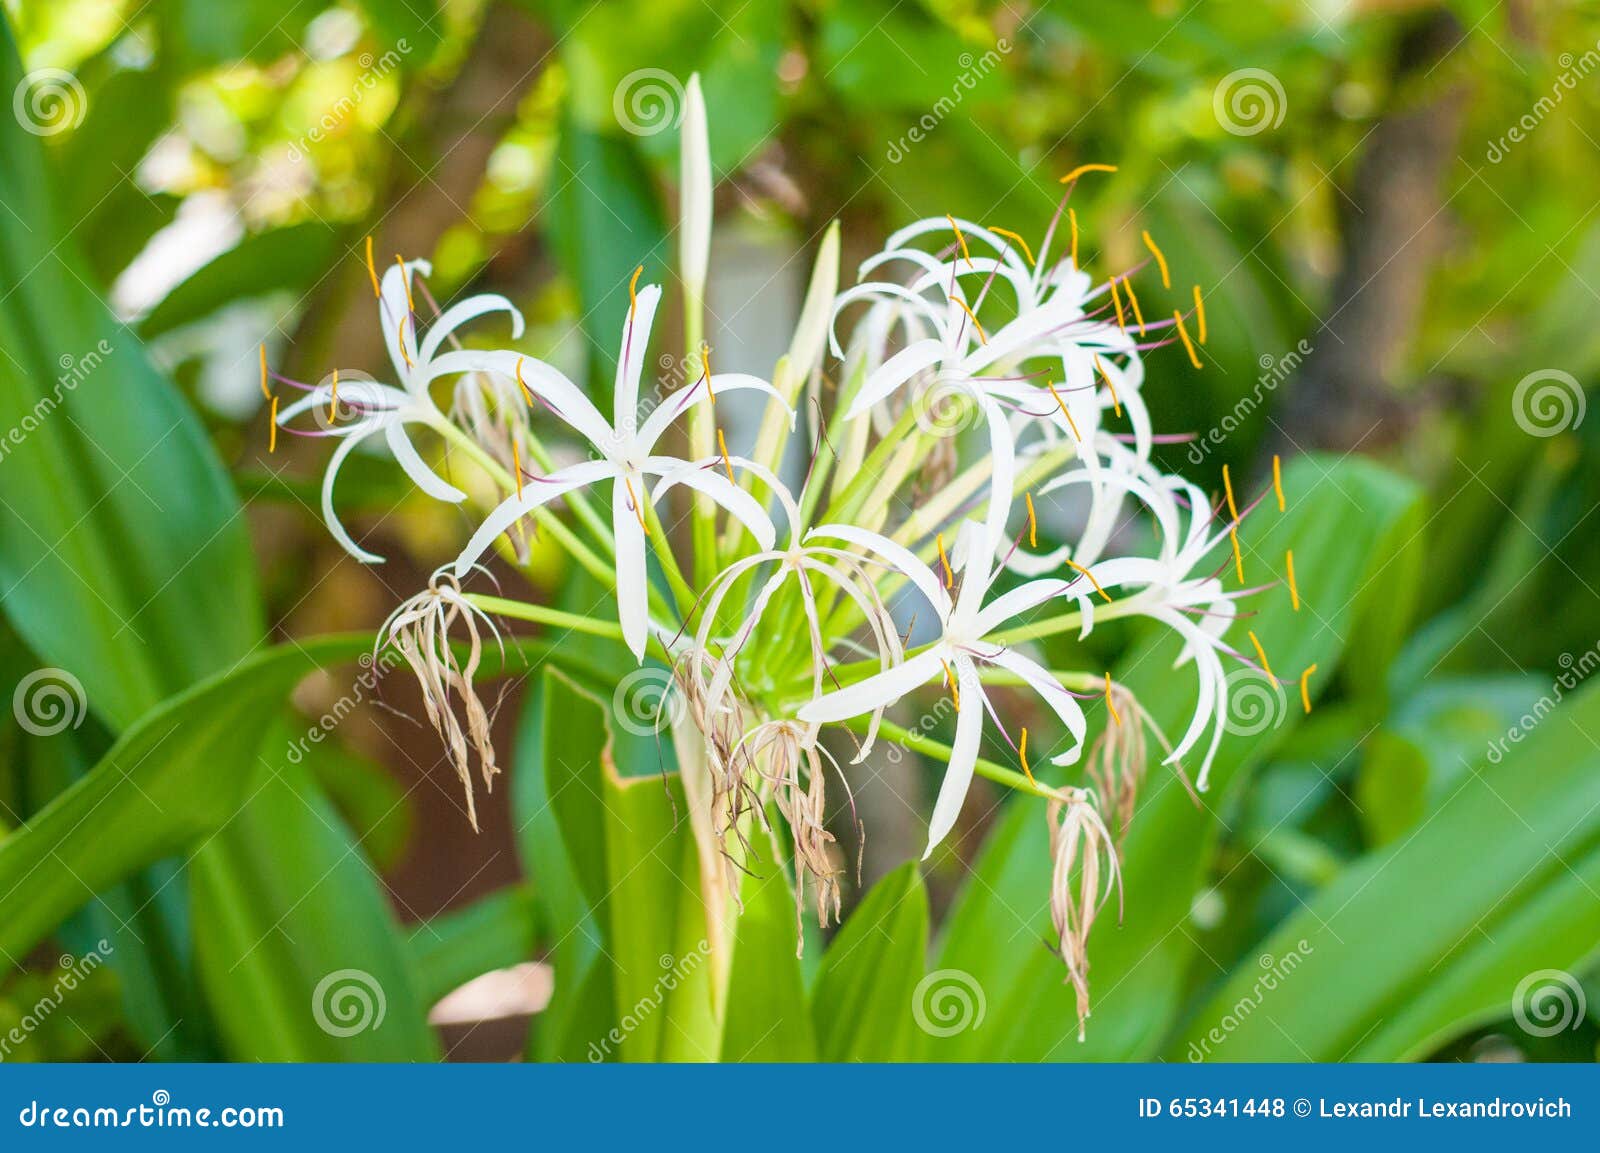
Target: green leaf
pixel 1341 518
pixel 863 998
pixel 174 778
pixel 1434 934
pixel 768 1017
pixel 123 557
pixel 327 976
pixel 494 932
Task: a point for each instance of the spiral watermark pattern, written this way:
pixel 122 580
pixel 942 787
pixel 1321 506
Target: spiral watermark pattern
pixel 1548 402
pixel 648 101
pixel 1249 101
pixel 49 701
pixel 347 1002
pixel 947 1002
pixel 647 701
pixel 49 100
pixel 1547 1002
pixel 944 408
pixel 1256 703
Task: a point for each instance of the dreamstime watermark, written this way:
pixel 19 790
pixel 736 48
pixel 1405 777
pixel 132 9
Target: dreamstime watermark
pixel 647 700
pixel 1573 69
pixel 74 371
pixel 1248 101
pixel 74 971
pixel 945 408
pixel 49 100
pixel 1256 702
pixel 1548 402
pixel 973 70
pixel 49 701
pixel 373 71
pixel 674 971
pixel 947 1002
pixel 1274 971
pixel 1547 1002
pixel 160 1113
pixel 647 101
pixel 347 1002
pixel 366 682
pixel 1574 671
pixel 1274 371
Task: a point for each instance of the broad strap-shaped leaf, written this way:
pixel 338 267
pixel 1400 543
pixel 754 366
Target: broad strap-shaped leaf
pixel 494 932
pixel 1436 932
pixel 863 1000
pixel 1344 520
pixel 175 778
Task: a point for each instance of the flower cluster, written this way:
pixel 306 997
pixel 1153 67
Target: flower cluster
pixel 910 551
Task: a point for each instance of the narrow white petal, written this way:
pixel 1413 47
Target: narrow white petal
pixel 963 756
pixel 894 372
pixel 1064 704
pixel 633 589
pixel 394 315
pixel 876 691
pixel 630 357
pixel 897 556
pixel 705 476
pixel 534 493
pixel 460 313
pixel 335 463
pixel 411 462
pixel 567 399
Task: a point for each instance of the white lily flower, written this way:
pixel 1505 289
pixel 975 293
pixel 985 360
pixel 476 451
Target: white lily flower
pixel 965 625
pixel 380 408
pixel 627 456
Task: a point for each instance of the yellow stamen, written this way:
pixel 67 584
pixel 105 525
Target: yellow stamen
pixel 949 576
pixel 1112 704
pixel 960 239
pixel 722 446
pixel 1033 522
pixel 1233 515
pixel 1009 235
pixel 1116 299
pixel 333 399
pixel 983 337
pixel 1200 314
pixel 954 685
pixel 1305 690
pixel 1072 219
pixel 633 297
pixel 1188 345
pixel 1262 653
pixel 638 508
pixel 516 465
pixel 705 368
pixel 1106 376
pixel 1065 411
pixel 1277 479
pixel 1294 590
pixel 411 305
pixel 372 272
pixel 527 393
pixel 1133 299
pixel 272 434
pixel 1090 575
pixel 266 393
pixel 1022 752
pixel 1082 168
pixel 1161 260
pixel 401 333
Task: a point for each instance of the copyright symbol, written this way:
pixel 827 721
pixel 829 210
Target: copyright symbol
pixel 1302 1107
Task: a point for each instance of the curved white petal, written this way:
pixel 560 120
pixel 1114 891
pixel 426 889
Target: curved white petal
pixel 897 556
pixel 878 690
pixel 460 313
pixel 395 316
pixel 633 588
pixel 894 372
pixel 565 398
pixel 703 476
pixel 630 358
pixel 1065 705
pixel 681 401
pixel 963 755
pixel 335 463
pixel 535 493
pixel 405 453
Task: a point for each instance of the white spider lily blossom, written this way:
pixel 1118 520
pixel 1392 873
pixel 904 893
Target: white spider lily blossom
pixel 627 457
pixel 385 409
pixel 965 625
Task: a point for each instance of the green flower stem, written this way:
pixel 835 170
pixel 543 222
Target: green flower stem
pixel 538 614
pixel 926 746
pixel 702 441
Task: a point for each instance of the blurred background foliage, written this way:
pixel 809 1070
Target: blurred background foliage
pixel 1382 265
